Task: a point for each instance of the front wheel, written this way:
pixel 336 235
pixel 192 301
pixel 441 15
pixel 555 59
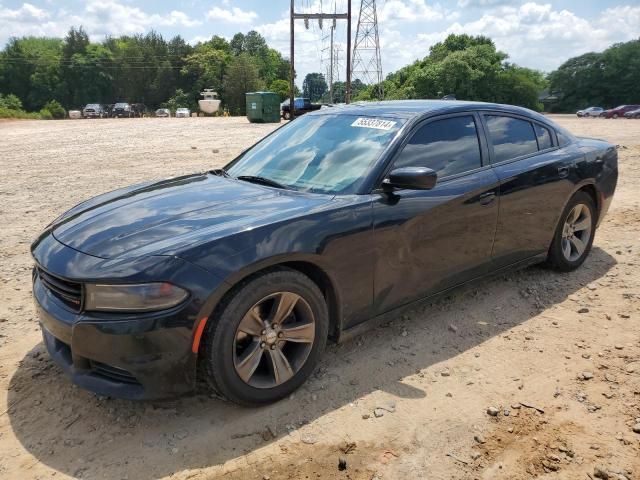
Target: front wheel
pixel 286 115
pixel 574 235
pixel 267 338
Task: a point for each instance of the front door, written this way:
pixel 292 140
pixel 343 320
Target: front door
pixel 430 240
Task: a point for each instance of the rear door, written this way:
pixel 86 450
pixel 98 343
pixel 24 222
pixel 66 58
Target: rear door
pixel 536 179
pixel 429 240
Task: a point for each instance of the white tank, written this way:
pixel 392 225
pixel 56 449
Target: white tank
pixel 210 102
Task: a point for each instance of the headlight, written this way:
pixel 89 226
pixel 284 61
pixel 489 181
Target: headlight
pixel 143 297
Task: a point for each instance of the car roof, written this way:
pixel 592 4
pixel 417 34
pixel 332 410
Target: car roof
pixel 416 108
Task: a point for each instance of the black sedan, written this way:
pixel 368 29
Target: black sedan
pixel 239 276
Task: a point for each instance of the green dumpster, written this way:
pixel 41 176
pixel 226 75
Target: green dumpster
pixel 263 107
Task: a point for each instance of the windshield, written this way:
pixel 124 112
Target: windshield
pixel 319 153
pixel 121 105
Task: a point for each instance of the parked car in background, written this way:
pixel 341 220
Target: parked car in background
pixel 93 110
pixel 138 109
pixel 75 114
pixel 183 113
pixel 590 112
pixel 619 111
pixel 301 106
pixel 632 114
pixel 122 110
pixel 163 113
pixel 237 277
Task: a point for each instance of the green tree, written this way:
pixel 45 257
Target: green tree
pixel 604 79
pixel 255 45
pixel 281 87
pixel 242 77
pixel 180 99
pixel 72 62
pixel 30 69
pixel 205 68
pixel 314 86
pixel 236 45
pixel 470 68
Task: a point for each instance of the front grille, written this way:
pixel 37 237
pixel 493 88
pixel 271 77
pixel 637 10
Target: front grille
pixel 113 373
pixel 70 293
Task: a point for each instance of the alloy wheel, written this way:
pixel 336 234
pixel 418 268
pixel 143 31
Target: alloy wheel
pixel 576 232
pixel 273 340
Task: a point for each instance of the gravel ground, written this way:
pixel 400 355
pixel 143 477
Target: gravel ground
pixel 532 374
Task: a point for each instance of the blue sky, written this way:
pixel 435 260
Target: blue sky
pixel 536 34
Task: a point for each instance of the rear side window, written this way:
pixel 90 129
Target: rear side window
pixel 563 140
pixel 448 146
pixel 544 137
pixel 511 137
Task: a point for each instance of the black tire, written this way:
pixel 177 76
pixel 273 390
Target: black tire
pixel 217 349
pixel 286 115
pixel 557 258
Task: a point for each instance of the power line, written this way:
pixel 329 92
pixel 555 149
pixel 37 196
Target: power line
pixel 297 15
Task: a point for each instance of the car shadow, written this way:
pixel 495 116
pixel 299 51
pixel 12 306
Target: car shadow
pixel 82 435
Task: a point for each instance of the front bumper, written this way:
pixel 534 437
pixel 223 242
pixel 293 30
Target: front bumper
pixel 144 357
pixel 125 355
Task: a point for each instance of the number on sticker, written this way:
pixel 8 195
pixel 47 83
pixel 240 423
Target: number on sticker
pixel 374 123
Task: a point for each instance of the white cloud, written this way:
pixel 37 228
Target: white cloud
pixel 98 18
pixel 535 35
pixel 233 15
pixel 25 20
pixel 25 14
pixel 482 3
pixel 630 24
pixel 411 11
pixel 110 17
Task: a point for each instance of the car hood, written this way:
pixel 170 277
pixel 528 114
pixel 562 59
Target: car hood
pixel 167 216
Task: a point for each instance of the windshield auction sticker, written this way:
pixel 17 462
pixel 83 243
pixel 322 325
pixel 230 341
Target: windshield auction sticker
pixel 374 123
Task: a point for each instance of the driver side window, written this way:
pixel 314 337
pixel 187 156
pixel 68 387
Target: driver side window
pixel 448 146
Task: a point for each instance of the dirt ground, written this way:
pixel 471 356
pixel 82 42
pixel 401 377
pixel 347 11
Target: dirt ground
pixel 556 355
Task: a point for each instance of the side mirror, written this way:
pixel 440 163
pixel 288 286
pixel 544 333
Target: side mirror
pixel 411 178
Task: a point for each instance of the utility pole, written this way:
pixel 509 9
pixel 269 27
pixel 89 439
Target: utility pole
pixel 333 27
pixel 320 17
pixel 292 72
pixel 367 62
pixel 347 95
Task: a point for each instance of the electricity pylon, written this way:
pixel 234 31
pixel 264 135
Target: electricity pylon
pixel 367 63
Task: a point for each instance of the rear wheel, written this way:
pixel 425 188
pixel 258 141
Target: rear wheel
pixel 574 236
pixel 286 115
pixel 267 339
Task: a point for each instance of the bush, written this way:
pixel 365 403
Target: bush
pixel 11 107
pixel 45 115
pixel 180 100
pixel 56 110
pixel 10 102
pixel 8 113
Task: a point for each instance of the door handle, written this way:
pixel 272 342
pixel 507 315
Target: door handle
pixel 487 198
pixel 563 172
